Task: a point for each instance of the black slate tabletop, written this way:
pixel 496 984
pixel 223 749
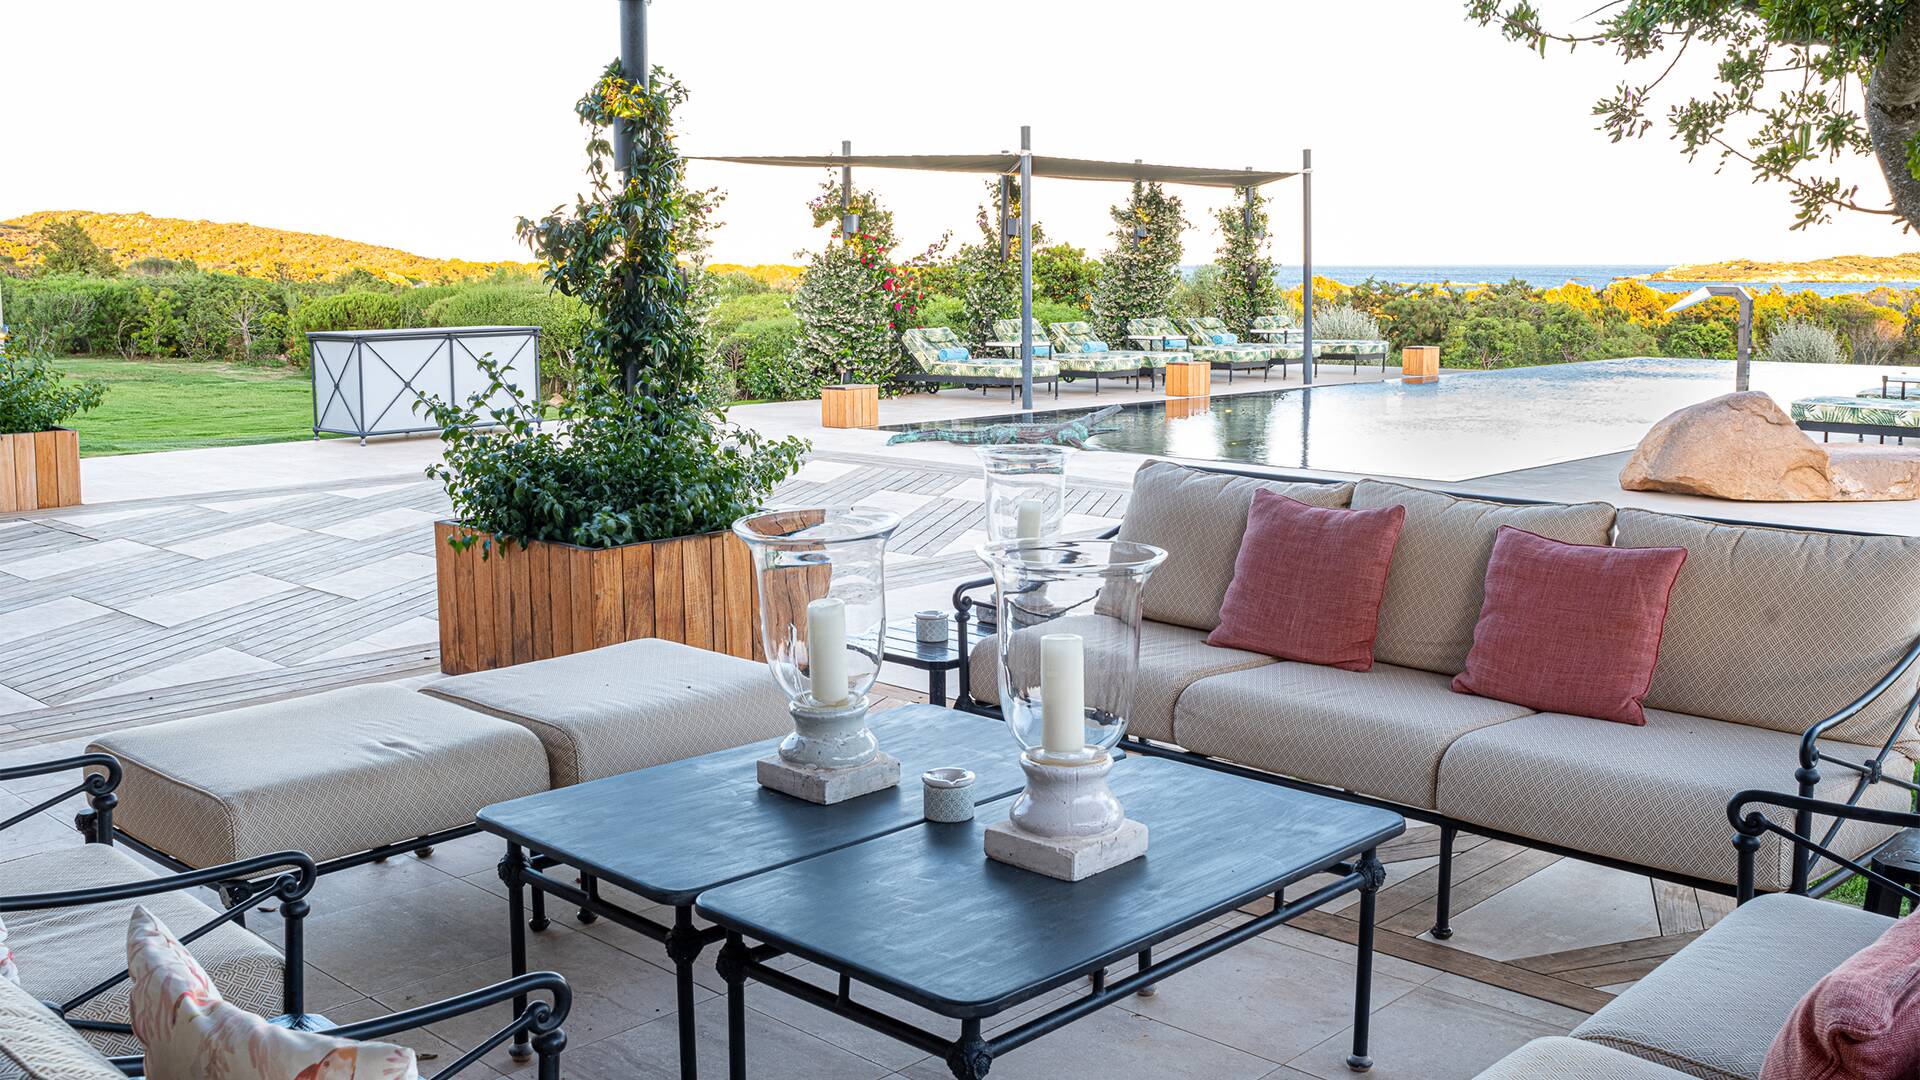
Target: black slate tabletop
pixel 674 830
pixel 925 915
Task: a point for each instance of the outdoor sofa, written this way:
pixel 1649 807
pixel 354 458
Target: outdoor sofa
pixel 941 359
pixel 1083 356
pixel 1788 664
pixel 66 910
pixel 1713 1009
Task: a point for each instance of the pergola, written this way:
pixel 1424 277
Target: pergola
pixel 1026 165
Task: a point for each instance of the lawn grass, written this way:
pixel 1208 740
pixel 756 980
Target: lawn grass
pixel 180 404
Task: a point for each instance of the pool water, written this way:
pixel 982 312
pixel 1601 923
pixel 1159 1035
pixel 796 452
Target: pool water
pixel 1466 425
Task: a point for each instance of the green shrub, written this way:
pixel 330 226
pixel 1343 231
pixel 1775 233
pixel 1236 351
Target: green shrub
pixel 734 311
pixel 1709 340
pixel 759 357
pixel 356 310
pixel 562 319
pixel 33 396
pixel 1344 322
pixel 1797 341
pixel 947 311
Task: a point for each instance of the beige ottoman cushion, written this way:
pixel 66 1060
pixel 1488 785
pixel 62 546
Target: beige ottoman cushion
pixel 1713 1008
pixel 629 706
pixel 1438 576
pixel 37 1045
pixel 1560 1058
pixel 330 774
pixel 66 951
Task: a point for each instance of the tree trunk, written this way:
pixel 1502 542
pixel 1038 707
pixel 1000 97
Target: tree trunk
pixel 1893 117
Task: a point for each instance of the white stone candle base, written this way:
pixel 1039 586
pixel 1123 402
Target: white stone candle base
pixel 827 786
pixel 1068 858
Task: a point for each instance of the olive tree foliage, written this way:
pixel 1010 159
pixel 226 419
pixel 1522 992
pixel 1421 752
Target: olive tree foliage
pixel 1799 86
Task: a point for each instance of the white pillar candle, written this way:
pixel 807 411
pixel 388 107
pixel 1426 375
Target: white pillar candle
pixel 1030 512
pixel 827 649
pixel 1062 695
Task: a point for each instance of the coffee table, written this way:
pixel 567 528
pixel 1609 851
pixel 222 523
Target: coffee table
pixel 671 832
pixel 922 914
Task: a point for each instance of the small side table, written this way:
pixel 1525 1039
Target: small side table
pixel 1900 862
pixel 1189 378
pixel 936 658
pixel 1420 363
pixel 850 405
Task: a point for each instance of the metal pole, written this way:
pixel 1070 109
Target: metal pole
pixel 846 188
pixel 1306 267
pixel 1006 205
pixel 633 67
pixel 1026 267
pixel 1253 270
pixel 1744 354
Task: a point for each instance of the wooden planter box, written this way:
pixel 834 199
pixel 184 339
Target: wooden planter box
pixel 548 599
pixel 39 470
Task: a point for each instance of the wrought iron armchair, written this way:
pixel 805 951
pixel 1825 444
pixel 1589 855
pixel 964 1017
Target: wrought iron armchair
pixel 1750 824
pixel 249 882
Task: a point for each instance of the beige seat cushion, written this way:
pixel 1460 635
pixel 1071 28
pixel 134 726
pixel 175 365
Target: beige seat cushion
pixel 1172 659
pixel 37 1045
pixel 1379 732
pixel 330 774
pixel 1557 1057
pixel 1437 579
pixel 66 951
pixel 1199 517
pixel 1713 1008
pixel 629 706
pixel 1654 795
pixel 1782 629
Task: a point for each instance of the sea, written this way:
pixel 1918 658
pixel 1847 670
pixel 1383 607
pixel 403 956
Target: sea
pixel 1547 276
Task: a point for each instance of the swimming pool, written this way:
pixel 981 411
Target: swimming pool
pixel 1466 425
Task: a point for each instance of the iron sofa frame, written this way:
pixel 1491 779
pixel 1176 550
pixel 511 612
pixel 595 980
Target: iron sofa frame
pixel 242 886
pixel 1807 851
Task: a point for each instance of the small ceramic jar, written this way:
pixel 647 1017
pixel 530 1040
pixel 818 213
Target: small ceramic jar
pixel 931 627
pixel 948 794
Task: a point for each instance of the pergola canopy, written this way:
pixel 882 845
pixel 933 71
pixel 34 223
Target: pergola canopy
pixel 1008 164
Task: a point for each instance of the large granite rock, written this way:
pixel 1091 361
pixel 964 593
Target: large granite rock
pixel 1744 446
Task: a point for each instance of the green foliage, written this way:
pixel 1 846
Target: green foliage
pixel 562 319
pixel 1139 275
pixel 1712 340
pixel 1344 321
pixel 758 357
pixel 356 310
pixel 1246 286
pixel 66 248
pixel 34 396
pixel 1491 341
pixel 1796 341
pixel 1062 274
pixel 1198 293
pixel 856 296
pixel 730 312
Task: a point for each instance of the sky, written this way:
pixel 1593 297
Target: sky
pixel 432 125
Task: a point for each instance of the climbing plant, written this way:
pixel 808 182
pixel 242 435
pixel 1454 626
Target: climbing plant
pixel 856 296
pixel 1139 273
pixel 1245 287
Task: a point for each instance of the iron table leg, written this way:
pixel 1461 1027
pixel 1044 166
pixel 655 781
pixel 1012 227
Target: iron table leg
pixel 683 948
pixel 937 687
pixel 1363 963
pixel 733 968
pixel 511 873
pixel 968 1057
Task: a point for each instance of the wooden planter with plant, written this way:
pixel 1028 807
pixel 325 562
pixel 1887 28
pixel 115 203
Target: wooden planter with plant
pixel 39 459
pixel 610 522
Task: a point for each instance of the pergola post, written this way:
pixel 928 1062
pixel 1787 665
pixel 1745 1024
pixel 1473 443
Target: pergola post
pixel 1026 268
pixel 633 67
pixel 1743 356
pixel 846 191
pixel 1306 267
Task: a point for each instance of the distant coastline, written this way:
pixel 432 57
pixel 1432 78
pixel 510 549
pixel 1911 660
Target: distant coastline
pixel 1594 276
pixel 1851 269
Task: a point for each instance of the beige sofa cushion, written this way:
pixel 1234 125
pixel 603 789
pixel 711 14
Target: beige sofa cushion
pixel 1199 517
pixel 66 951
pixel 1379 732
pixel 1713 1008
pixel 1780 628
pixel 1436 581
pixel 628 706
pixel 329 774
pixel 37 1045
pixel 1172 659
pixel 1654 795
pixel 1557 1057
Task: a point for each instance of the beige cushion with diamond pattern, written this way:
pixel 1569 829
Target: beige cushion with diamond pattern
pixel 330 774
pixel 1381 732
pixel 66 951
pixel 1654 795
pixel 1557 1057
pixel 629 706
pixel 1780 628
pixel 1172 660
pixel 1713 1008
pixel 1436 581
pixel 37 1045
pixel 1199 517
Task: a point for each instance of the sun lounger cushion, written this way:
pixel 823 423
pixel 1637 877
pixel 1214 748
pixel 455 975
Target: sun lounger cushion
pixel 1207 332
pixel 1093 346
pixel 1226 339
pixel 1781 629
pixel 1557 1057
pixel 1881 412
pixel 1712 1009
pixel 1123 362
pixel 64 952
pixel 1200 519
pixel 928 344
pixel 1651 796
pixel 1272 322
pixel 953 354
pixel 37 1045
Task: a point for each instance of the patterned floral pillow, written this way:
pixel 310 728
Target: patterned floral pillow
pixel 190 1032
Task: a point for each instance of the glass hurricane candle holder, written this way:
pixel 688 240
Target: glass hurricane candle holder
pixel 1069 653
pixel 820 574
pixel 1026 491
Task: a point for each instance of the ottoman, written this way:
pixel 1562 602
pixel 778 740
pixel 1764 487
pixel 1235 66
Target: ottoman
pixel 629 706
pixel 333 774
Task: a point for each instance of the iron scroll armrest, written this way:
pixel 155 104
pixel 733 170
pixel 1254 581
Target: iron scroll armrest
pixel 1749 825
pixel 97 786
pixel 1810 752
pixel 963 606
pixel 540 1019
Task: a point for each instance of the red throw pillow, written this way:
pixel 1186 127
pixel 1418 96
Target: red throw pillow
pixel 1570 628
pixel 1308 582
pixel 1858 1022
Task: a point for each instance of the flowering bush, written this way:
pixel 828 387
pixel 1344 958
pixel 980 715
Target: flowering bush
pixel 856 297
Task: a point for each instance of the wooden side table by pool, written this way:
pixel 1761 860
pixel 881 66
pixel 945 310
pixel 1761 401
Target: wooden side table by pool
pixel 1189 378
pixel 1420 363
pixel 850 405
